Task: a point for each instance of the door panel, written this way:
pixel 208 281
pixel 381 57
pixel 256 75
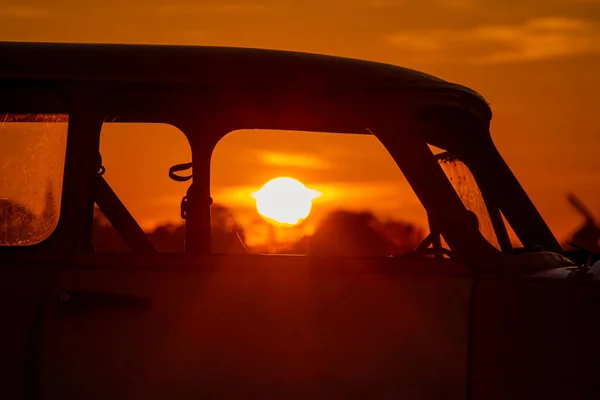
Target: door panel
pixel 532 340
pixel 21 294
pixel 259 327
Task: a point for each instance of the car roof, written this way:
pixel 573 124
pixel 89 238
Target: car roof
pixel 219 66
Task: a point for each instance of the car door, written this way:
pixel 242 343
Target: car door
pixel 166 326
pixel 33 140
pixel 533 337
pixel 156 326
pixel 22 286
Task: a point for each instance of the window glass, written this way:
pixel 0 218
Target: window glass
pixel 297 192
pixel 137 158
pixel 32 161
pixel 466 187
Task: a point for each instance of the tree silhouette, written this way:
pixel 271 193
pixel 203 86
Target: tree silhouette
pixel 104 237
pixel 227 235
pixel 168 238
pixel 18 225
pixel 346 233
pixel 402 237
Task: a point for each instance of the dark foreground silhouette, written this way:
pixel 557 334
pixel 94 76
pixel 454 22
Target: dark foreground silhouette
pixel 227 236
pixel 340 233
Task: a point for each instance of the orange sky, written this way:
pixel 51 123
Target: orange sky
pixel 535 62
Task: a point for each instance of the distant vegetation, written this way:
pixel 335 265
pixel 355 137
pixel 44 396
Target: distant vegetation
pixel 339 233
pixel 20 226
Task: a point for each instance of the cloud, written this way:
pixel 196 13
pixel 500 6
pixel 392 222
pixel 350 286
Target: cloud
pixel 214 8
pixel 535 39
pixel 280 159
pixel 456 4
pixel 23 12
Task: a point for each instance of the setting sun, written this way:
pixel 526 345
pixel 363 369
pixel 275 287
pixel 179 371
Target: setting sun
pixel 285 200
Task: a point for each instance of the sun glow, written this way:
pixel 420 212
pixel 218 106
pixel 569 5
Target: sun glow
pixel 285 200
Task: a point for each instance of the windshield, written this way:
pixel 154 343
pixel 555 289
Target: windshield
pixel 467 189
